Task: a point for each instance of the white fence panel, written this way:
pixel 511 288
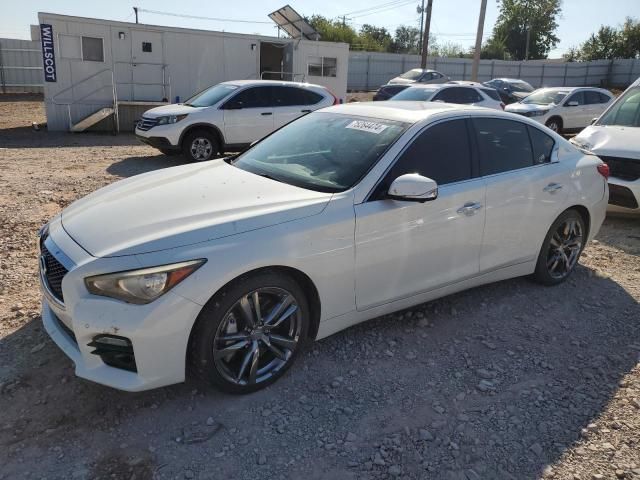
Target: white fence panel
pixel 20 66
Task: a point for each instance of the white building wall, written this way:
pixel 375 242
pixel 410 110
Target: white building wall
pixel 181 62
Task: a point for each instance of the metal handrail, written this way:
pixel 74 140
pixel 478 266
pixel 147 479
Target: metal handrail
pixel 166 77
pixel 114 98
pixel 281 73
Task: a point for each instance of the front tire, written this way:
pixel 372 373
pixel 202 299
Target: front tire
pixel 250 333
pixel 200 146
pixel 555 124
pixel 561 249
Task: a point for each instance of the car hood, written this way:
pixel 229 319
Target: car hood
pixel 521 95
pixel 526 107
pixel 183 205
pixel 400 81
pixel 611 141
pixel 173 109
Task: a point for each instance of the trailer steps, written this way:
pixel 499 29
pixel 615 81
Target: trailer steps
pixel 92 119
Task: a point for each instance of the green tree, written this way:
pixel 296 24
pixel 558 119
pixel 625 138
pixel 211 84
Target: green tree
pixel 406 40
pixel 516 17
pixel 630 39
pixel 495 48
pixel 333 30
pixel 609 43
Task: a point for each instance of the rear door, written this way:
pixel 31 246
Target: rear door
pixel 575 116
pixel 293 102
pixel 248 115
pixel 526 189
pixel 596 103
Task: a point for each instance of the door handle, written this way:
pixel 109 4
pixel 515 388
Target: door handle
pixel 305 111
pixel 469 208
pixel 266 113
pixel 552 188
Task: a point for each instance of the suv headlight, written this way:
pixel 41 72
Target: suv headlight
pixel 144 285
pixel 538 113
pixel 169 119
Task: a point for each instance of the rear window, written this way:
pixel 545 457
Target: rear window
pixel 492 93
pixel 415 94
pixel 412 74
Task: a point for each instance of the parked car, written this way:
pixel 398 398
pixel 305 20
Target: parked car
pixel 419 75
pixel 510 89
pixel 229 116
pixel 385 92
pixel 615 138
pixel 231 266
pixel 563 109
pixel 460 93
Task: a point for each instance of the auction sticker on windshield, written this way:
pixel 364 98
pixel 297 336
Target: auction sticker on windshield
pixel 371 127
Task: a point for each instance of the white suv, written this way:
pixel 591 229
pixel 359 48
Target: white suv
pixel 462 93
pixel 563 109
pixel 229 116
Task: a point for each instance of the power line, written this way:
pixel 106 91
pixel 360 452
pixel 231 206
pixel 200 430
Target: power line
pixel 374 7
pixel 384 9
pixel 199 17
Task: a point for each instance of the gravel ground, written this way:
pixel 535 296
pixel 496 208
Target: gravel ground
pixel 507 381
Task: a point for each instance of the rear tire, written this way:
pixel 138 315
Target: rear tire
pixel 241 349
pixel 555 124
pixel 200 146
pixel 561 249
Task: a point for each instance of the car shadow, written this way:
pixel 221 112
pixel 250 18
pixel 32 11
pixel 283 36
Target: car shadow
pixel 500 380
pixel 131 166
pixel 27 137
pixel 625 234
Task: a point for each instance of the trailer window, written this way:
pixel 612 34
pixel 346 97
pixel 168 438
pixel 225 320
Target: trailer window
pixel 322 66
pixel 92 49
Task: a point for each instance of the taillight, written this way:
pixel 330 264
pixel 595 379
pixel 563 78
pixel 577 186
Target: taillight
pixel 502 105
pixel 336 100
pixel 603 169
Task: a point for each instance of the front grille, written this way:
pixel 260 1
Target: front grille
pixel 622 196
pixel 623 168
pixel 147 123
pixel 53 272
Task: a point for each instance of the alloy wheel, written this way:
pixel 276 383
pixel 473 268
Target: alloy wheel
pixel 257 336
pixel 564 248
pixel 201 148
pixel 554 126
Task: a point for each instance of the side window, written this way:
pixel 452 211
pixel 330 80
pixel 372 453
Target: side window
pixel 503 145
pixel 470 95
pixel 604 98
pixel 293 96
pixel 591 97
pixel 448 95
pixel 310 97
pixel 542 146
pixel 92 49
pixel 576 97
pixel 441 152
pixel 253 97
pixel 492 93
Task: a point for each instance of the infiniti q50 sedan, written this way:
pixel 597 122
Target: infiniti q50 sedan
pixel 228 268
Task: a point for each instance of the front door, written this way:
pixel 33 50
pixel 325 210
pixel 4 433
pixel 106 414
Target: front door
pixel 248 115
pixel 575 116
pixel 148 75
pixel 525 190
pixel 406 248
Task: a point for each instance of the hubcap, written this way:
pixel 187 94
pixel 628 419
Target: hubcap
pixel 553 126
pixel 201 148
pixel 564 248
pixel 257 336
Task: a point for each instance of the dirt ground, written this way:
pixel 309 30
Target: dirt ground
pixel 507 381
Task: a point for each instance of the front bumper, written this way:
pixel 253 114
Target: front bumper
pixel 161 136
pixel 158 331
pixel 157 142
pixel 624 196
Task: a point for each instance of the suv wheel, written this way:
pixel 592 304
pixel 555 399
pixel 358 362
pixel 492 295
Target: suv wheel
pixel 200 146
pixel 554 124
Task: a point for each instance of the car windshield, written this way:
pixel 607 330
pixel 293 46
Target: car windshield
pixel 546 97
pixel 625 111
pixel 211 95
pixel 412 74
pixel 420 94
pixel 521 87
pixel 325 152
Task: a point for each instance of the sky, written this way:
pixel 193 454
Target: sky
pixel 452 20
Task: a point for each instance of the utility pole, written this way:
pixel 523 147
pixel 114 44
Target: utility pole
pixel 425 38
pixel 476 52
pixel 421 10
pixel 344 21
pixel 135 9
pixel 526 49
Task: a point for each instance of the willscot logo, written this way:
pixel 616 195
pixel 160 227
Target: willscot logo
pixel 48 54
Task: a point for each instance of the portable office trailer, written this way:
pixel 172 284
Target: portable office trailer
pixel 104 74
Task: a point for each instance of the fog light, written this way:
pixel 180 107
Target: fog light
pixel 114 351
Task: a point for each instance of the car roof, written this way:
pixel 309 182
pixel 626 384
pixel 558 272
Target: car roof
pixel 242 83
pixel 573 89
pixel 440 86
pixel 510 80
pixel 406 111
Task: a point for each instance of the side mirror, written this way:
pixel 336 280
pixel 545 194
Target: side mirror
pixel 572 103
pixel 593 120
pixel 412 187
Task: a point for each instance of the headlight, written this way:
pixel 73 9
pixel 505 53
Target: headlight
pixel 538 113
pixel 170 119
pixel 141 286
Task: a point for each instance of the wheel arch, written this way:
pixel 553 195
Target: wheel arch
pixel 309 287
pixel 203 126
pixel 559 119
pixel 585 214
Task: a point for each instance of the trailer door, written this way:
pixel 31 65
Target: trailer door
pixel 149 77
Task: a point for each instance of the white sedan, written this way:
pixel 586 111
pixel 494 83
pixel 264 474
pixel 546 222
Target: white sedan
pixel 461 93
pixel 229 267
pixel 563 109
